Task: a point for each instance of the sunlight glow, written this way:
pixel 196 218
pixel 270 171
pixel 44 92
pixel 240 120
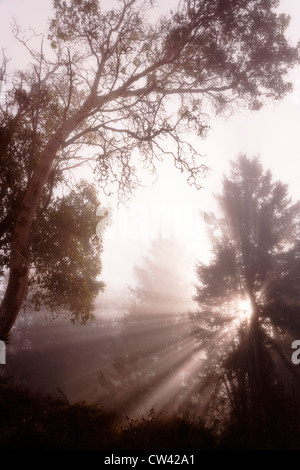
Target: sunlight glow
pixel 244 309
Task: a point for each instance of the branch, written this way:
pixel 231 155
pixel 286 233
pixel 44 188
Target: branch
pixel 64 397
pixel 178 91
pixel 136 136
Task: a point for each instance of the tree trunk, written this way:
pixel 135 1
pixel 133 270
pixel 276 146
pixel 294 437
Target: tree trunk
pixel 20 251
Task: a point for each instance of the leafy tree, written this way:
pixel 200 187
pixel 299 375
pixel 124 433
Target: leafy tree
pixel 64 263
pixel 248 299
pixel 65 256
pixel 130 89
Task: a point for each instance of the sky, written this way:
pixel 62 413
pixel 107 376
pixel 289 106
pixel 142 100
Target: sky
pixel 272 133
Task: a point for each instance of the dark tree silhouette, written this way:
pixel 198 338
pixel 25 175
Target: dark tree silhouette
pixel 249 301
pixel 120 84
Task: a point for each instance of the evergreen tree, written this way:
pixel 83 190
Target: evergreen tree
pixel 155 344
pixel 248 297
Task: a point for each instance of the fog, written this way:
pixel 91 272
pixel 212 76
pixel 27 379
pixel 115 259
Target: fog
pixel 138 353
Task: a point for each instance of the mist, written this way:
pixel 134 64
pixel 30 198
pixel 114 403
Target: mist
pixel 136 353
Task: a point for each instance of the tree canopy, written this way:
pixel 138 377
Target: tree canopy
pixel 248 299
pixel 121 91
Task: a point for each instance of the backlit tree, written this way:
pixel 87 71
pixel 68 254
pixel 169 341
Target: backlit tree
pixel 249 301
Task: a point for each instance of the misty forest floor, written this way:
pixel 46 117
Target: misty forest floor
pixel 35 421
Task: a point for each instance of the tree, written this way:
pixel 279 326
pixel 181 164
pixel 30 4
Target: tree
pixel 248 300
pixel 64 264
pixel 65 256
pixel 154 349
pixel 130 89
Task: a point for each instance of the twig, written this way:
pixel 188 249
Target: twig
pixel 64 397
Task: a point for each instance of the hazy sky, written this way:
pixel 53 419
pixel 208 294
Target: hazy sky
pixel 273 133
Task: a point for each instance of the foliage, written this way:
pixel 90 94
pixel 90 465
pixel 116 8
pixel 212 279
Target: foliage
pixel 37 422
pixel 31 421
pixel 66 255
